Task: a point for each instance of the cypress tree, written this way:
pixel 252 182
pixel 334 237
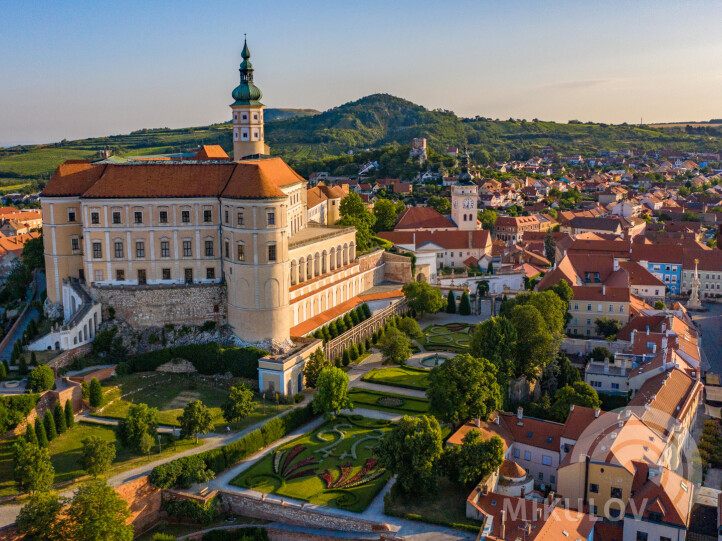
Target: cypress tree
pixel 368 344
pixel 50 431
pixel 354 352
pixel 3 372
pixel 348 321
pixel 451 303
pixel 40 432
pixel 22 364
pixel 345 359
pixel 354 317
pixel 33 359
pixel 341 326
pixel 367 310
pixel 95 395
pixel 326 333
pixel 30 435
pixel 59 416
pixel 6 365
pixel 465 305
pixel 69 417
pixel 361 348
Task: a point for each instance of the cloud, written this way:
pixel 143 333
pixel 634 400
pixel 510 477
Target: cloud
pixel 581 83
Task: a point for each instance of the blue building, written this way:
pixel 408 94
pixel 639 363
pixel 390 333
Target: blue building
pixel 663 260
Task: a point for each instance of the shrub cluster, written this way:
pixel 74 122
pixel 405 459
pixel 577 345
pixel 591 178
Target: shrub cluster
pixel 344 323
pixel 179 472
pixel 253 533
pixel 192 510
pixel 14 408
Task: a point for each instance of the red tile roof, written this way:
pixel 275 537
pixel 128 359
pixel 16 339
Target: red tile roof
pixel 211 152
pixel 456 240
pixel 422 218
pixel 73 178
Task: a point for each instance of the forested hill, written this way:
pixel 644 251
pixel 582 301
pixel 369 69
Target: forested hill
pixel 372 122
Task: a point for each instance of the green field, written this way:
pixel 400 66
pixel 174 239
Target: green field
pixel 333 465
pixel 394 403
pixel 171 392
pixel 399 376
pixel 66 454
pixel 450 337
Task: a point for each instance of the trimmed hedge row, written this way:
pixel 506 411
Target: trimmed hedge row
pixel 208 359
pixel 419 518
pixel 177 473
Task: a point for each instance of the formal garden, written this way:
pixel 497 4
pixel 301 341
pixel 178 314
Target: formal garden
pixel 399 376
pixel 450 337
pixel 170 393
pixel 390 402
pixel 333 465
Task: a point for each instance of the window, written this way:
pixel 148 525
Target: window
pixel 596 384
pixel 241 252
pixel 98 275
pixel 140 249
pixel 187 248
pixel 546 460
pixel 166 274
pixel 74 244
pixel 593 509
pixel 120 275
pixel 71 214
pixel 594 488
pixel 664 538
pixel 164 248
pixel 141 277
pixel 576 306
pixel 271 216
pixel 615 386
pixel 95 218
pixel 226 217
pixel 613 512
pixel 516 453
pixel 527 455
pixel 97 250
pixel 589 307
pixel 211 273
pixel 552 478
pixel 209 248
pixel 240 218
pixel 611 308
pixel 657 517
pixel 185 216
pixel 116 217
pixel 541 476
pixel 138 217
pixel 616 492
pixel 207 216
pixel 188 274
pixel 642 536
pixel 621 309
pixel 163 217
pixel 118 249
pixel 227 249
pixel 272 252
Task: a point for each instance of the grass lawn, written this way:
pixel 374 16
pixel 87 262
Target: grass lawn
pixel 446 506
pixel 171 392
pixel 66 454
pixel 449 337
pixel 400 376
pixel 395 403
pixel 332 465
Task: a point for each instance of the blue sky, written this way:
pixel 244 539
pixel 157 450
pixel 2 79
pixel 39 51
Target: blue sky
pixel 80 69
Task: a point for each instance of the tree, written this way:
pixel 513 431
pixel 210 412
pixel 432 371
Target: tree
pixel 33 358
pixel 395 346
pixel 69 414
pixel 578 394
pixel 40 433
pixel 59 417
pixel 30 435
pixel 39 519
pixel 599 353
pixel 95 398
pixel 442 205
pixel 22 363
pixel 550 247
pixel 495 340
pixel 98 513
pixel 464 304
pixel 477 458
pixel 411 451
pixel 488 219
pixel 98 455
pixel 411 327
pixel 354 213
pixel 3 372
pixel 659 305
pixel 607 326
pixel 139 420
pixel 50 430
pixel 534 341
pixel 239 403
pixel 196 419
pixel 422 297
pixel 332 393
pixel 463 388
pixel 386 215
pixel 451 302
pixel 145 444
pixel 41 378
pixel 482 288
pixel 32 469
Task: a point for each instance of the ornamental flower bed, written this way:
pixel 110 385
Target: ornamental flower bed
pixel 333 465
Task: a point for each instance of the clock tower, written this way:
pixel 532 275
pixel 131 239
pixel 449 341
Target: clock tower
pixel 464 197
pixel 247 113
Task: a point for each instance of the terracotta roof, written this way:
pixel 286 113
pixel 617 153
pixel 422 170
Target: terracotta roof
pixel 511 470
pixel 422 218
pixel 657 253
pixel 577 422
pixel 211 152
pixel 599 293
pixel 314 197
pixel 668 494
pixel 258 179
pixel 598 224
pixel 73 178
pixel 638 275
pixel 456 240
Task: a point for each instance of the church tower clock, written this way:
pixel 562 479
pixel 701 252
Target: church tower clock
pixel 464 197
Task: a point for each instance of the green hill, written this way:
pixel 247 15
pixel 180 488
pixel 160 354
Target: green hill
pixel 304 136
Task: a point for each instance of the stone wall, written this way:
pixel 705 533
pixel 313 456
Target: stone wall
pixel 397 268
pixel 276 533
pixel 154 306
pixel 143 501
pixel 66 358
pixel 100 375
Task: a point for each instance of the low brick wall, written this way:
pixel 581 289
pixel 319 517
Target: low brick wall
pixel 100 375
pixel 67 357
pixel 143 501
pixel 278 534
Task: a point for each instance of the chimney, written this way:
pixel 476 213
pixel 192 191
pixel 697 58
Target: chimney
pixel 606 365
pixel 604 289
pixel 647 330
pixel 596 413
pixel 538 513
pixel 478 422
pixel 485 490
pixel 620 424
pixel 496 419
pixel 571 408
pixel 520 413
pixel 551 497
pixel 654 348
pixel 664 327
pixel 664 342
pixel 502 526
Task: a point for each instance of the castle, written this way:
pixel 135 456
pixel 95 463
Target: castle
pixel 187 240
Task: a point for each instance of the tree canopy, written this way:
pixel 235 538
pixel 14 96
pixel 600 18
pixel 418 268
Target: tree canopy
pixel 315 364
pixel 495 340
pixel 239 403
pixel 196 419
pixel 395 346
pixel 354 213
pixel 386 214
pixel 534 341
pixel 332 392
pixel 423 297
pixel 578 394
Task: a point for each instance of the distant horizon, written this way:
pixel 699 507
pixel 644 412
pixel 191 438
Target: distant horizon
pixel 75 70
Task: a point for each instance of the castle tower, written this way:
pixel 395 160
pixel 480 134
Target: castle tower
pixel 464 197
pixel 247 113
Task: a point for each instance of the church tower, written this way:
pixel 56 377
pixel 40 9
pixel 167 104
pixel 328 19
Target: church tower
pixel 464 197
pixel 247 113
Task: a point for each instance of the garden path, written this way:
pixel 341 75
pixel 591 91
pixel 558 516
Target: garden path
pixel 373 361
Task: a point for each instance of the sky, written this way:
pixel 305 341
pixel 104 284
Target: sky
pixel 74 69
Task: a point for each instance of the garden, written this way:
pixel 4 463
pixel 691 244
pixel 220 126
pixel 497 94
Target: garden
pixel 170 393
pixel 450 337
pixel 399 376
pixel 334 465
pixel 394 403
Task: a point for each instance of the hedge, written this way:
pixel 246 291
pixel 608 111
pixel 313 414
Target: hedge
pixel 419 518
pixel 208 359
pixel 177 472
pixel 192 510
pixel 253 533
